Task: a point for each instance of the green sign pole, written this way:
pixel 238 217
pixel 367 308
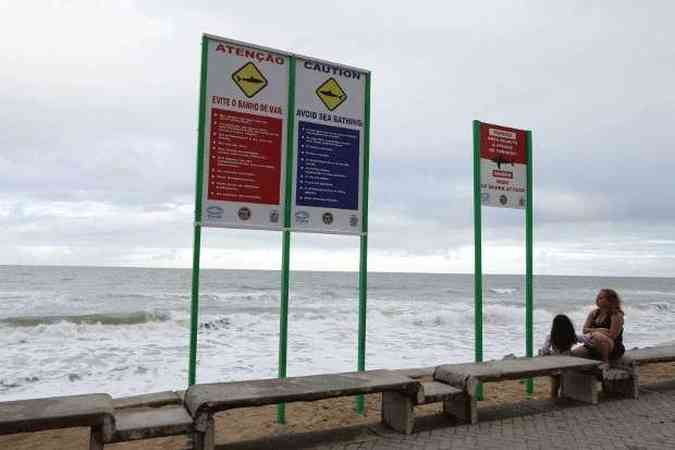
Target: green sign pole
pixel 478 266
pixel 197 242
pixel 363 262
pixel 529 293
pixel 286 244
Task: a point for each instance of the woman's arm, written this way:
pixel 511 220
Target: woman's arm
pixel 616 325
pixel 546 349
pixel 589 322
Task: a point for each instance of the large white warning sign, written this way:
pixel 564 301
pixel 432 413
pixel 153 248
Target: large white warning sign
pixel 503 166
pixel 329 148
pixel 244 136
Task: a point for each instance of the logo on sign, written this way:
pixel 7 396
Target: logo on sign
pixel 331 94
pixel 274 216
pixel 485 197
pixel 521 202
pixel 214 212
pixel 249 79
pixel 353 220
pixel 244 213
pixel 302 217
pixel 327 218
pixel 503 200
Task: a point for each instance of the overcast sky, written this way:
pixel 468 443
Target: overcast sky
pixel 98 106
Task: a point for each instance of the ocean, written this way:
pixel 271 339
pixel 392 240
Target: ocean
pixel 125 331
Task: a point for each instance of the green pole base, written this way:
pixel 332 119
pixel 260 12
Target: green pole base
pixel 479 392
pixel 530 387
pixel 360 405
pixel 281 413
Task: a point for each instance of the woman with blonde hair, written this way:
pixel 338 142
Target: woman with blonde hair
pixel 604 325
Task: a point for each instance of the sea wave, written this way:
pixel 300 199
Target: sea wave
pixel 660 307
pixel 130 318
pixel 503 291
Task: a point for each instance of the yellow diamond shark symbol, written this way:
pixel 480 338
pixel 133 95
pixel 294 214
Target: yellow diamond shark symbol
pixel 331 94
pixel 249 79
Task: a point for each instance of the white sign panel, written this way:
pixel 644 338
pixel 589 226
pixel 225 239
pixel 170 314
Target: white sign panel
pixel 503 166
pixel 245 136
pixel 328 148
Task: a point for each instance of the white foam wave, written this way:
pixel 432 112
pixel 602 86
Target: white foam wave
pixel 503 291
pixel 130 318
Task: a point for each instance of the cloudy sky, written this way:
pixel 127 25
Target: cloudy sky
pixel 98 112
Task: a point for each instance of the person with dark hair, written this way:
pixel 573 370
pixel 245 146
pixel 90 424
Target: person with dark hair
pixel 561 341
pixel 605 326
pixel 562 337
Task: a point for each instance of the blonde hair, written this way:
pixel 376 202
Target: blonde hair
pixel 613 299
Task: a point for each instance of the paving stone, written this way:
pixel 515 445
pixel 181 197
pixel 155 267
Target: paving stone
pixel 647 423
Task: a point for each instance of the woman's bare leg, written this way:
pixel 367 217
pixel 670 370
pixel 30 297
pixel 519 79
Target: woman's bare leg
pixel 603 344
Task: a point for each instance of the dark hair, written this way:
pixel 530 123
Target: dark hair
pixel 613 299
pixel 562 333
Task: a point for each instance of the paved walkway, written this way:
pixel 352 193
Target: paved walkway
pixel 647 423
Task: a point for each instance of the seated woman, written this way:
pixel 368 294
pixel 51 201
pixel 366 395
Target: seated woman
pixel 562 338
pixel 604 325
pixel 562 341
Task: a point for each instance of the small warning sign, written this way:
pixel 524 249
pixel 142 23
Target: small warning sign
pixel 249 79
pixel 331 94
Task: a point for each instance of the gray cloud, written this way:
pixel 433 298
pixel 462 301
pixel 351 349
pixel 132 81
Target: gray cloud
pixel 99 127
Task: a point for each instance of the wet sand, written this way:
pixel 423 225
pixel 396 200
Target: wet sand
pixel 258 423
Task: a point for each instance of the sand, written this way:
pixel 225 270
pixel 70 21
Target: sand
pixel 259 423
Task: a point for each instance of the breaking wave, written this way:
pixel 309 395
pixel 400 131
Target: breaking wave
pixel 131 318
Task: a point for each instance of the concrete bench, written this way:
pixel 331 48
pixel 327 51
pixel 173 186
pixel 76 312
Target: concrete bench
pixel 152 400
pixel 204 400
pixel 94 411
pixel 576 380
pixel 147 423
pixel 398 411
pixel 629 364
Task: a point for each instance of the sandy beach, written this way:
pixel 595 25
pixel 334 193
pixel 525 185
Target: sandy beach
pixel 258 423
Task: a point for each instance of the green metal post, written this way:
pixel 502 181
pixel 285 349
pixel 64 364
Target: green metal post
pixel 478 266
pixel 194 313
pixel 286 245
pixel 529 293
pixel 196 245
pixel 363 260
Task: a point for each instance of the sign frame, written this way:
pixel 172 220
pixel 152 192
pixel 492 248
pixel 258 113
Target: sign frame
pixel 287 182
pixel 529 245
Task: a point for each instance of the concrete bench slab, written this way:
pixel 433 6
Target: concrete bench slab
pixel 204 400
pixel 148 423
pixel 577 381
pixel 418 372
pixel 152 400
pixel 93 410
pixel 438 392
pixel 217 397
pixel 510 369
pixel 649 355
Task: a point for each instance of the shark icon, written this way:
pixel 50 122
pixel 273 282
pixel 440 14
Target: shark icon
pixel 250 79
pixel 329 93
pixel 499 159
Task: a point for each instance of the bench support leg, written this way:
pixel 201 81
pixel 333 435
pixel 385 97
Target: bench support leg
pixel 96 439
pixel 463 409
pixel 555 386
pixel 204 440
pixel 627 386
pixel 398 412
pixel 579 386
